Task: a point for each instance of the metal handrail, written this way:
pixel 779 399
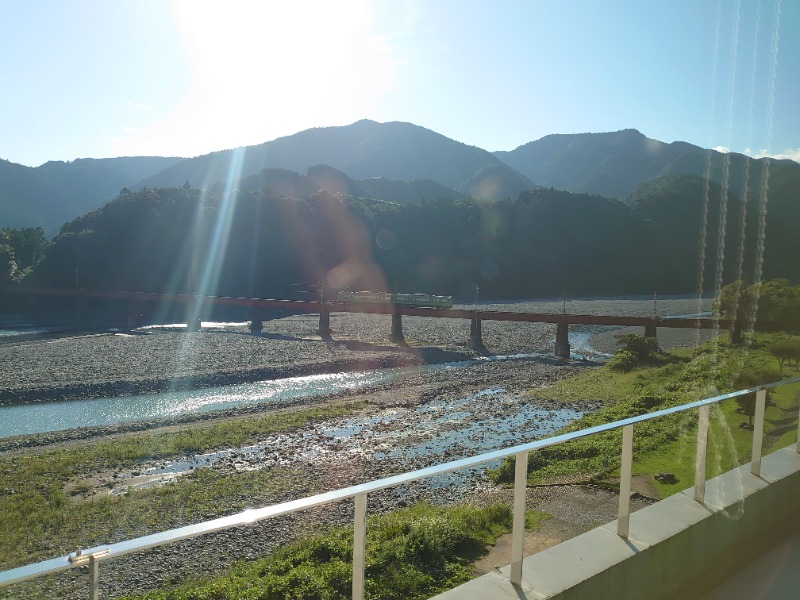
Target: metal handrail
pixel 92 556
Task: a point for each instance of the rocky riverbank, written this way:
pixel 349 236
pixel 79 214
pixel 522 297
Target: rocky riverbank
pixel 153 360
pixel 422 419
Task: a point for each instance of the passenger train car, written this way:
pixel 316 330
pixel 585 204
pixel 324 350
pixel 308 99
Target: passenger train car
pixel 421 300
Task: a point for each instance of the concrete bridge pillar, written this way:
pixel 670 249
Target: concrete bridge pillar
pixel 134 316
pixel 562 340
pixel 475 337
pixel 397 329
pixel 256 326
pixel 193 324
pixel 324 324
pixel 650 331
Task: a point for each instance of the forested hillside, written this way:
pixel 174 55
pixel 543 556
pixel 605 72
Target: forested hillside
pixel 365 149
pixel 55 192
pixel 614 164
pixel 402 162
pixel 276 228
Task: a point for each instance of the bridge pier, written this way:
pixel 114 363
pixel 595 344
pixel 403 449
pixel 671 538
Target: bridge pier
pixel 650 331
pixel 397 329
pixel 256 326
pixel 193 324
pixel 562 340
pixel 134 317
pixel 475 337
pixel 324 329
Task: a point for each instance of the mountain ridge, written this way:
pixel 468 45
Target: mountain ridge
pixel 382 155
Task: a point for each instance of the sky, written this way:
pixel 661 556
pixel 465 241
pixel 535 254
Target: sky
pixel 100 78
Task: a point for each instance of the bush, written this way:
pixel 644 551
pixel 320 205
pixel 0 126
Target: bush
pixel 641 347
pixel 623 361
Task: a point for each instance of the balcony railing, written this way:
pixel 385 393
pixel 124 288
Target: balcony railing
pixel 94 556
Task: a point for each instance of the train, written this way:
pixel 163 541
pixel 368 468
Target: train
pixel 398 299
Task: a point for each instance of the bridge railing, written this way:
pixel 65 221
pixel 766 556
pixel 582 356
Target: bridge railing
pixel 92 557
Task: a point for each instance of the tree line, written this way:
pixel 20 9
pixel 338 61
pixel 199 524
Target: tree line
pixel 247 241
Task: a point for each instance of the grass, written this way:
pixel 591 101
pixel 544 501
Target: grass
pixel 41 520
pixel 534 518
pixel 411 553
pixel 667 445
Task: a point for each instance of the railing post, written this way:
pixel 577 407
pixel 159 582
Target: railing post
pixel 94 578
pixel 359 545
pixel 758 432
pixel 625 472
pixel 797 445
pixel 700 456
pixel 518 527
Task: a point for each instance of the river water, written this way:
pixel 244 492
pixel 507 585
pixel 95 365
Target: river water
pixel 23 419
pixel 35 418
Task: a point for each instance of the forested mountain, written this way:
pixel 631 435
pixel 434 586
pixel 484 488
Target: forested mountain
pixel 687 214
pixel 288 184
pixel 401 162
pixel 276 228
pixel 55 192
pixel 615 164
pixel 365 149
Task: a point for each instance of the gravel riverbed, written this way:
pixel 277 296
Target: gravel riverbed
pixel 423 419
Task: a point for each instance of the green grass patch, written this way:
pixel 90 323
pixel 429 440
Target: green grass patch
pixel 667 445
pixel 411 553
pixel 45 523
pixel 41 521
pixel 534 518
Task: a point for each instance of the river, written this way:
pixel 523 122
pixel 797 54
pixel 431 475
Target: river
pixel 43 417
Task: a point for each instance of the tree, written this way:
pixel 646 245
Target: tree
pixel 28 245
pixel 785 350
pixel 773 301
pixel 8 265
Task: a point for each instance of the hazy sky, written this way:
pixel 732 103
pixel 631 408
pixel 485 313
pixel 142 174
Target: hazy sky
pixel 101 78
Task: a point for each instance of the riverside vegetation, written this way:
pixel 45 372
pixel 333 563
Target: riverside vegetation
pixel 634 385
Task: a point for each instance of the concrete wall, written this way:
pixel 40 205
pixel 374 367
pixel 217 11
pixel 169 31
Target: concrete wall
pixel 680 548
pixel 677 548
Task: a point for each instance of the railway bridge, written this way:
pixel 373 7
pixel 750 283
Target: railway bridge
pixel 195 305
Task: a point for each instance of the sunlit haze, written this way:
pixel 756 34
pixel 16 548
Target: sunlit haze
pixel 91 78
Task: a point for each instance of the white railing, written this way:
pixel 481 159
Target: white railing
pixel 93 556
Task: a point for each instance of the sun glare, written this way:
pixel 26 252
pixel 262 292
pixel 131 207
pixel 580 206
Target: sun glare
pixel 259 70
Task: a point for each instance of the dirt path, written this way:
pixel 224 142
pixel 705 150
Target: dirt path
pixel 573 510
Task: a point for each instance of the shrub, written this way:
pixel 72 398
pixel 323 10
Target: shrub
pixel 641 347
pixel 623 361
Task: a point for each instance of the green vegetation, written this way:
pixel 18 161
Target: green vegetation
pixel 47 519
pixel 410 553
pixel 531 245
pixel 774 301
pixel 20 250
pixel 667 444
pixel 786 350
pixel 634 350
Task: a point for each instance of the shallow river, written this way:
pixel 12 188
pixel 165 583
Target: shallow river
pixel 43 417
pixel 23 419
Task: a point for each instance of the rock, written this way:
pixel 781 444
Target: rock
pixel 668 478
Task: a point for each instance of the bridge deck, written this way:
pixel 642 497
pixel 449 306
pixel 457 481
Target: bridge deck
pixel 306 306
